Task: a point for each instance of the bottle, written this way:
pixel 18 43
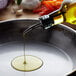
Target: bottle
pixel 67 13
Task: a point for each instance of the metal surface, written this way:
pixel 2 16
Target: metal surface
pixel 60 36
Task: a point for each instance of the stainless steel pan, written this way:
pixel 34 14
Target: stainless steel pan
pixel 55 46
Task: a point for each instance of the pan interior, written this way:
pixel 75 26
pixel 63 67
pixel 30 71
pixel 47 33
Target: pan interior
pixel 56 61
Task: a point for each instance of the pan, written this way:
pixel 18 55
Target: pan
pixel 56 47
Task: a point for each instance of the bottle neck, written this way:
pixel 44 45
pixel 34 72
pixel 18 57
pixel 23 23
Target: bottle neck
pixel 52 19
pixel 46 21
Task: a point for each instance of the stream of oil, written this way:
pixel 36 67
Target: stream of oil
pixel 26 63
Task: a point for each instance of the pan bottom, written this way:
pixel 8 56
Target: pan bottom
pixel 56 61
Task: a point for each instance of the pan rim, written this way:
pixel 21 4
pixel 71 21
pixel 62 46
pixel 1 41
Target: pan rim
pixel 60 25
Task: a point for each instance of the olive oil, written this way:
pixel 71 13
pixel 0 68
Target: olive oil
pixel 67 13
pixel 30 64
pixel 26 63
